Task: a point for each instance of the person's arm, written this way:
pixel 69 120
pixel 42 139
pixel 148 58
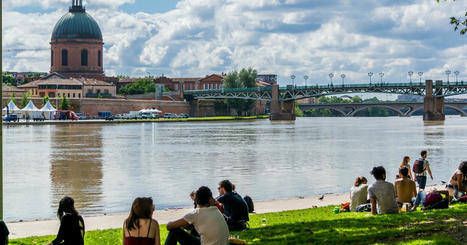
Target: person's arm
pixel 123 231
pixel 459 179
pixel 157 238
pixel 373 205
pixel 429 171
pixel 61 231
pixel 410 174
pixel 177 224
pixel 395 189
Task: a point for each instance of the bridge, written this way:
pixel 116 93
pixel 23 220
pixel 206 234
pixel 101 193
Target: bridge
pixel 282 98
pixel 403 109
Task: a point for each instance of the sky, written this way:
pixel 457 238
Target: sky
pixel 194 38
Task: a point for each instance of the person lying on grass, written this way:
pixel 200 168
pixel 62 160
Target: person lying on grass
pixel 382 194
pixel 207 220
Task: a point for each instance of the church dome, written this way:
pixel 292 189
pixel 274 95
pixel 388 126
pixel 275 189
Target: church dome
pixel 77 24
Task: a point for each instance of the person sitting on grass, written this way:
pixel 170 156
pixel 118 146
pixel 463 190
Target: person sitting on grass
pixel 358 193
pixel 234 208
pixel 3 233
pixel 140 228
pixel 206 219
pixel 382 194
pixel 457 186
pixel 71 231
pixel 406 189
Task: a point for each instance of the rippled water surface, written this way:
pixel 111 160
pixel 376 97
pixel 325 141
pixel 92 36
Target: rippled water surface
pixel 104 167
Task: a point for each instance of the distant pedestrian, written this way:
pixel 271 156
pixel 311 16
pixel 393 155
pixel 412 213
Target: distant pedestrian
pixel 382 194
pixel 421 166
pixel 140 228
pixel 71 231
pixel 405 164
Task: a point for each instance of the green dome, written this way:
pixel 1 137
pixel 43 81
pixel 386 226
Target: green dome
pixel 77 24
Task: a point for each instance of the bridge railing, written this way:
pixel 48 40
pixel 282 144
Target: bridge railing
pixel 228 90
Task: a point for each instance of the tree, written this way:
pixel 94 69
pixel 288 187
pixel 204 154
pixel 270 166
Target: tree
pixel 12 98
pixel 25 99
pixel 8 79
pixel 246 78
pixel 45 99
pixel 65 105
pixel 459 23
pixel 298 111
pixel 141 86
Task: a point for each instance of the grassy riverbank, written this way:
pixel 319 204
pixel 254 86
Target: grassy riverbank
pixel 321 226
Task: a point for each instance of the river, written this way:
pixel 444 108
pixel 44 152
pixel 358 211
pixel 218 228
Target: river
pixel 105 166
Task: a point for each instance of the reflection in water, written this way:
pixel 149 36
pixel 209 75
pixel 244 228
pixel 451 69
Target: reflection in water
pixel 104 167
pixel 76 166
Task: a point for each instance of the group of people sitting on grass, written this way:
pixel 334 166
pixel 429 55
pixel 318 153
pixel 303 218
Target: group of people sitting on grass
pixel 383 197
pixel 209 223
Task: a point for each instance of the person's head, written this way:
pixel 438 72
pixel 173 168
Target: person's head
pixel 360 180
pixel 203 196
pixel 423 154
pixel 142 208
pixel 192 195
pixel 405 161
pixel 66 205
pixel 379 173
pixel 463 167
pixel 225 186
pixel 404 172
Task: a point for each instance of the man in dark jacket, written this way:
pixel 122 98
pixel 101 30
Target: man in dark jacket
pixel 234 207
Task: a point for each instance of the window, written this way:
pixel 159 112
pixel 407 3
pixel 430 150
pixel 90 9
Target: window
pixel 89 91
pixel 74 95
pixel 68 95
pixel 176 87
pixel 84 57
pixel 51 58
pixel 106 91
pixel 79 95
pixel 205 86
pixel 64 57
pixel 42 94
pixel 99 58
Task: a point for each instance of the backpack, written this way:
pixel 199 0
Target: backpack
pixel 432 198
pixel 418 166
pixel 363 208
pixel 249 203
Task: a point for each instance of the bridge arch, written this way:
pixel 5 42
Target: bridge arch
pixel 459 109
pixel 400 113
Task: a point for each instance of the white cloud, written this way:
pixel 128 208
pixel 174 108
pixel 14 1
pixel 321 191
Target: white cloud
pixel 200 37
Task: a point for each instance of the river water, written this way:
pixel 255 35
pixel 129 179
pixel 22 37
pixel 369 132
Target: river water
pixel 105 166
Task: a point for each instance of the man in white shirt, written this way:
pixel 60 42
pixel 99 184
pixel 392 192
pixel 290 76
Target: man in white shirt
pixel 207 220
pixel 382 194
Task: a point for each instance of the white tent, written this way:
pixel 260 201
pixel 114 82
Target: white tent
pixel 30 107
pixel 48 107
pixel 32 111
pixel 11 107
pixel 48 111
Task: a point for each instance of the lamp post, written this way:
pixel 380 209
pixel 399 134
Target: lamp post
pixel 306 78
pixel 420 74
pixel 457 74
pixel 381 75
pixel 56 96
pixel 448 72
pixel 331 75
pixel 410 75
pixel 370 74
pixel 343 77
pixel 293 80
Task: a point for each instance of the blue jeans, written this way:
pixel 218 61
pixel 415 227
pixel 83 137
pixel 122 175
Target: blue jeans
pixel 421 181
pixel 420 198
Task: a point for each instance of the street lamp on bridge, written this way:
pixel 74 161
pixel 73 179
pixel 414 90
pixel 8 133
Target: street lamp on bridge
pixel 381 75
pixel 331 75
pixel 343 77
pixel 420 74
pixel 306 78
pixel 448 72
pixel 370 74
pixel 457 74
pixel 293 80
pixel 410 75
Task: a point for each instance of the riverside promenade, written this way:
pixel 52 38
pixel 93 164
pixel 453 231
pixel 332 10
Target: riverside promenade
pixel 113 221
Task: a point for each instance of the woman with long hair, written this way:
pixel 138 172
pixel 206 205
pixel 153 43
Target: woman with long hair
pixel 458 184
pixel 405 164
pixel 358 193
pixel 140 228
pixel 71 231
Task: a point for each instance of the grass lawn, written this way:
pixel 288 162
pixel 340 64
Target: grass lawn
pixel 321 226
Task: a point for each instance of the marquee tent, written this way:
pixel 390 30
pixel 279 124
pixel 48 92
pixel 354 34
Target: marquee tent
pixel 11 107
pixel 48 110
pixel 30 107
pixel 32 111
pixel 153 110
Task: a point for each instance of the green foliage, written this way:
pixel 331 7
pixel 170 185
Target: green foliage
pixel 142 86
pixel 298 112
pixel 321 226
pixel 45 99
pixel 356 99
pixel 460 23
pixel 25 99
pixel 122 76
pixel 370 112
pixel 65 105
pixel 246 78
pixel 8 79
pixel 12 98
pixel 99 96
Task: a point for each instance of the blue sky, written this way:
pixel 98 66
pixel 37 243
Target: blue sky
pixel 188 38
